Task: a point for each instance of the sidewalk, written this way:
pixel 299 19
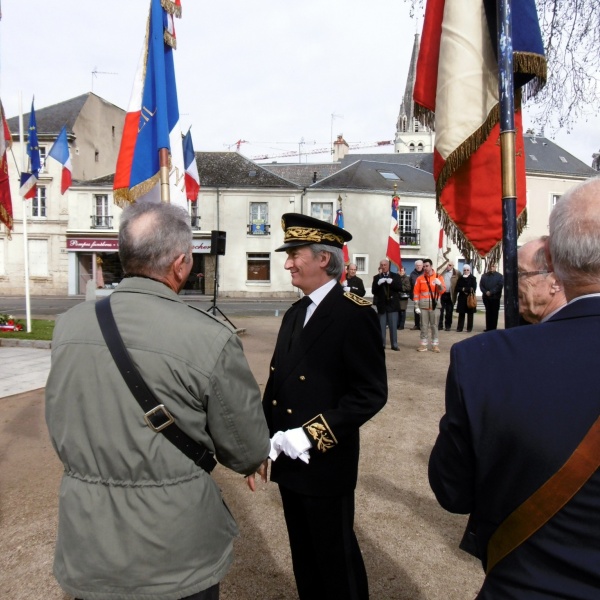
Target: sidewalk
pixel 24 369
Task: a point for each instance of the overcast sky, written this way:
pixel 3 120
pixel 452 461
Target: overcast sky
pixel 271 72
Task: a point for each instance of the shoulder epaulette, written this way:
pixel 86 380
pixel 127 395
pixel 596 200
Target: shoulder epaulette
pixel 357 299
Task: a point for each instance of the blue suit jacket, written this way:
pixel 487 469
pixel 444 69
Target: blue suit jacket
pixel 518 403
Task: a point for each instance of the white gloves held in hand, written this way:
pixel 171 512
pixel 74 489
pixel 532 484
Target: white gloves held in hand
pixel 381 281
pixel 417 310
pixel 293 443
pixel 346 288
pixel 388 280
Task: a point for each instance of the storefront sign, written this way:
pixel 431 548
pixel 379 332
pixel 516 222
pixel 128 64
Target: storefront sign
pixel 92 245
pixel 112 245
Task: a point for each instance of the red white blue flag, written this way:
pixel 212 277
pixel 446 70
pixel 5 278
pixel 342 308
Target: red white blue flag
pixel 339 221
pixel 192 178
pixel 6 212
pixel 457 79
pixel 393 244
pixel 60 153
pixel 29 179
pixel 152 120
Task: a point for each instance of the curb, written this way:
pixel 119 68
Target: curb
pixel 15 343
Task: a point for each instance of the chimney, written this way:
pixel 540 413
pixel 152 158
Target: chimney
pixel 340 148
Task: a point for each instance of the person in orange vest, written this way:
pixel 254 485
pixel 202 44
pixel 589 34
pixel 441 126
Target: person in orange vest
pixel 426 295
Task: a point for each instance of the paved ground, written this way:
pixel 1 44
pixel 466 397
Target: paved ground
pixel 409 542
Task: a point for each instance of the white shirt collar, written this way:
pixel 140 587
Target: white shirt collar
pixel 317 297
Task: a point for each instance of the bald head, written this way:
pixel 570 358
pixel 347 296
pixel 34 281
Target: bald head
pixel 574 241
pixel 540 293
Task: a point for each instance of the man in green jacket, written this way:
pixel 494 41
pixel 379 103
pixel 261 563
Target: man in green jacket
pixel 138 519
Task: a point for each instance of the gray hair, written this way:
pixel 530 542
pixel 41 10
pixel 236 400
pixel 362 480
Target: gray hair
pixel 574 242
pixel 335 267
pixel 539 260
pixel 152 236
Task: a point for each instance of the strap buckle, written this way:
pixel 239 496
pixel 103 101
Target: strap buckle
pixel 154 418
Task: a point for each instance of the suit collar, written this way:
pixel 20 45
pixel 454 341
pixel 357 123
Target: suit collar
pixel 584 306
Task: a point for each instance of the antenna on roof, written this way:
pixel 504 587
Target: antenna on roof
pixel 95 74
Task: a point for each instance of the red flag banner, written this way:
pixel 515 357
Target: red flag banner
pixel 456 91
pixel 6 212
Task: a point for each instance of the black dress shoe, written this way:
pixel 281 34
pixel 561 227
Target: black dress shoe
pixel 415 328
pixel 395 348
pixel 447 329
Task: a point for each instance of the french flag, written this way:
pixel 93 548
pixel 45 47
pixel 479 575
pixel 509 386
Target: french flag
pixel 192 179
pixel 60 153
pixel 28 188
pixel 152 120
pixel 393 244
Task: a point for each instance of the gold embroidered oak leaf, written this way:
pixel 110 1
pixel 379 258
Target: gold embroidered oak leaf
pixel 320 434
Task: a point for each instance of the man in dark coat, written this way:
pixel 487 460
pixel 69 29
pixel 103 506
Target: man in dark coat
pixel 386 290
pixel 321 389
pixel 505 433
pixel 353 282
pixel 491 291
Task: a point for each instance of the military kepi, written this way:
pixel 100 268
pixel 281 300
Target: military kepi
pixel 301 230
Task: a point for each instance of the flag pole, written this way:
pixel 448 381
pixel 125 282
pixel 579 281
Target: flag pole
pixel 24 205
pixel 163 161
pixel 507 146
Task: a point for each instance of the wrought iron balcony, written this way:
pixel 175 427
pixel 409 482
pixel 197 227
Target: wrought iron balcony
pixel 259 228
pixel 410 237
pixel 104 222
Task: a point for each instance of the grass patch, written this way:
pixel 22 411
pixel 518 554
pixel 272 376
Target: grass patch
pixel 40 330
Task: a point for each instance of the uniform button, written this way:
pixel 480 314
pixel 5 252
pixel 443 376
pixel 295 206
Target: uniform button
pixel 289 411
pixel 272 368
pixel 301 378
pixel 274 403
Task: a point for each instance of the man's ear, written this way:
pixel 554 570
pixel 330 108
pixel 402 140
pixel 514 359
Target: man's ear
pixel 178 266
pixel 547 254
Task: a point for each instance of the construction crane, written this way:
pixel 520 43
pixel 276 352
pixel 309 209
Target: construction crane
pixel 322 150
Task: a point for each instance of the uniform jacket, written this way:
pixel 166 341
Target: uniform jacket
pixel 505 433
pixel 386 297
pixel 331 387
pixel 137 518
pixel 493 283
pixel 464 286
pixel 424 291
pixel 356 285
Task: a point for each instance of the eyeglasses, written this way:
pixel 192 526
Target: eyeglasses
pixel 522 274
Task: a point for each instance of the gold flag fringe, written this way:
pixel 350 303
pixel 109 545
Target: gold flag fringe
pixel 466 247
pixel 124 196
pixel 171 8
pixel 7 220
pixel 533 64
pixel 170 40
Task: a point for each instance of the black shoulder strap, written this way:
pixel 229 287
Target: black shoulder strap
pixel 157 417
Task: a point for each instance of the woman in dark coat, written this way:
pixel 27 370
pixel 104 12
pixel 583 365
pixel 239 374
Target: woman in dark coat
pixel 464 286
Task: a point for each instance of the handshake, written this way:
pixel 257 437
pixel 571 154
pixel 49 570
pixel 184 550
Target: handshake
pixel 293 443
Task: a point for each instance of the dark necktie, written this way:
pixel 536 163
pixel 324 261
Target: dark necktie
pixel 299 319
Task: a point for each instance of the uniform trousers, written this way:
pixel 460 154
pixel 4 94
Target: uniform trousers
pixel 325 554
pixel 391 320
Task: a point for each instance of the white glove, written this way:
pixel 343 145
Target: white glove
pixel 275 445
pixel 418 310
pixel 346 288
pixel 381 281
pixel 436 281
pixel 295 444
pixel 388 280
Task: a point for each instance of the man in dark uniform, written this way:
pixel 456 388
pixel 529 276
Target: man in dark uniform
pixel 353 282
pixel 321 389
pixel 519 402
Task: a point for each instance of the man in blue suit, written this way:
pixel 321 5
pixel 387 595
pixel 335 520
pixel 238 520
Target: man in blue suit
pixel 518 403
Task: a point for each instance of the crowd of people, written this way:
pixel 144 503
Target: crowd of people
pixel 140 515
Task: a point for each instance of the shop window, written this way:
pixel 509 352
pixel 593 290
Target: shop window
pixel 258 267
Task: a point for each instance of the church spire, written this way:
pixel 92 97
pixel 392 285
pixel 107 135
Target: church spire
pixel 411 134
